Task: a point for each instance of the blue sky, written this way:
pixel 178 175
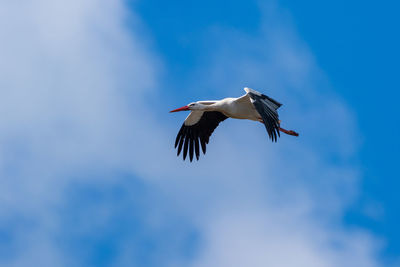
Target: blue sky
pixel 89 176
pixel 355 43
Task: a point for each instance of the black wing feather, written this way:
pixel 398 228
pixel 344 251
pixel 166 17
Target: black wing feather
pixel 178 137
pixel 203 144
pixel 267 108
pixel 191 146
pixel 190 136
pixel 197 147
pixel 182 138
pixel 185 147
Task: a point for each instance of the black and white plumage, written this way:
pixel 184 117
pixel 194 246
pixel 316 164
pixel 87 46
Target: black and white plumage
pixel 205 116
pixel 190 136
pixel 267 108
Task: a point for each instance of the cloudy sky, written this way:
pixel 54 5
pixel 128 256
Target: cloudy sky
pixel 88 172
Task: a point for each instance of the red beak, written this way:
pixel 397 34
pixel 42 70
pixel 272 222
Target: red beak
pixel 180 109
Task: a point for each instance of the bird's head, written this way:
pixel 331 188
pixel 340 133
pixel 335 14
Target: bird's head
pixel 191 106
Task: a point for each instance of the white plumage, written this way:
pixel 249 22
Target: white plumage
pixel 206 115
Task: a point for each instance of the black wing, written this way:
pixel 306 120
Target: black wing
pixel 267 108
pixel 191 137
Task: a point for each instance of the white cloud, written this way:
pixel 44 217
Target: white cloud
pixel 280 239
pixel 74 83
pixel 70 71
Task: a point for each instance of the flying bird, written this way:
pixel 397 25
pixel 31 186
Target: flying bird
pixel 206 115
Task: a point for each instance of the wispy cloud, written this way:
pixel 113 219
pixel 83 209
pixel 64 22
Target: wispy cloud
pixel 75 77
pixel 69 71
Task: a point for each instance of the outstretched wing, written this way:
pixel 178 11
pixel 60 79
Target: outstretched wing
pixel 196 131
pixel 267 108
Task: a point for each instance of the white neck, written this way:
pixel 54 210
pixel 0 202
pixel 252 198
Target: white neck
pixel 208 105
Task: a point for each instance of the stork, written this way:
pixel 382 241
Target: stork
pixel 205 116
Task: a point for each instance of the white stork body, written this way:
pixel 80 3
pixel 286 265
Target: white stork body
pixel 236 108
pixel 239 108
pixel 206 115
